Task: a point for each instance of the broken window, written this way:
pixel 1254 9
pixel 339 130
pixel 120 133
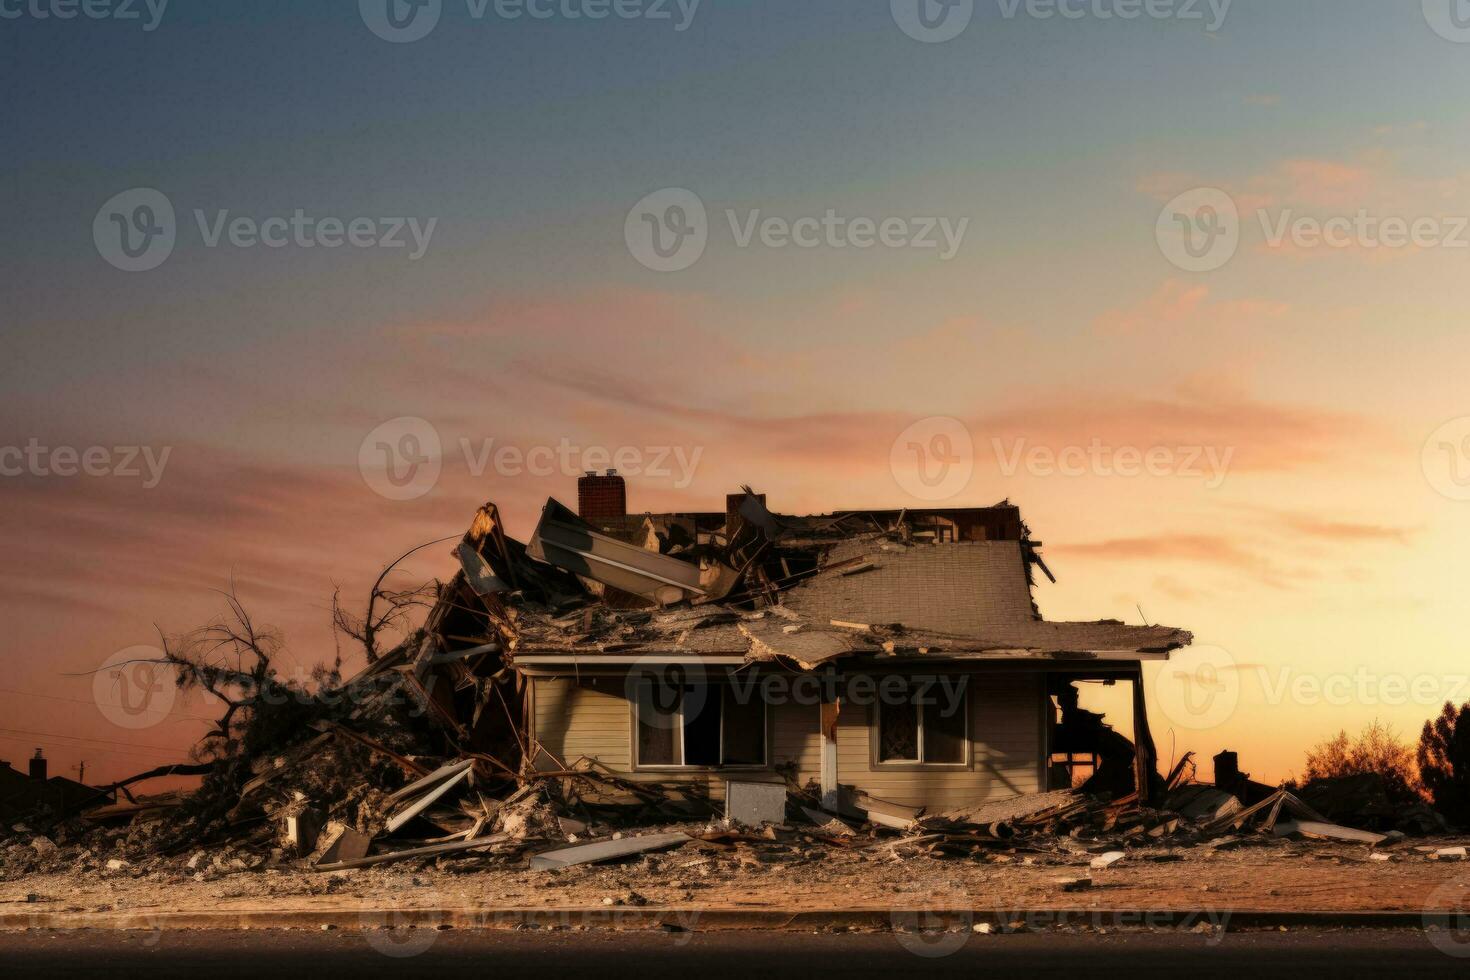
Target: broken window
pixel 745 730
pixel 701 717
pixel 657 718
pixel 924 724
pixel 699 726
pixel 898 732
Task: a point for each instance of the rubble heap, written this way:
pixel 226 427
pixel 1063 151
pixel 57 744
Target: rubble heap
pixel 425 755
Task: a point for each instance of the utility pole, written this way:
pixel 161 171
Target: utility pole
pixel 81 768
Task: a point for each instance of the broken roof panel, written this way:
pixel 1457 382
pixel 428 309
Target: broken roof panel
pixel 563 539
pixel 799 590
pixel 949 588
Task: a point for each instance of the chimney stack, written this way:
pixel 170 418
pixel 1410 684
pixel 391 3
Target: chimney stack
pixel 732 506
pixel 38 767
pixel 602 498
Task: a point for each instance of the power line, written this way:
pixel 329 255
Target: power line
pixel 54 697
pixel 83 738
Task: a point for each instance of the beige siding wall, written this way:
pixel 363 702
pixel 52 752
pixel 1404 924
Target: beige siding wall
pixel 593 718
pixel 1005 747
pixel 589 718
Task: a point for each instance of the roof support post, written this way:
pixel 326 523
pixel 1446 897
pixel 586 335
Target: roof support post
pixel 830 795
pixel 1143 741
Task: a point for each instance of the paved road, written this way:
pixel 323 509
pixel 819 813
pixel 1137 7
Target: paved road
pixel 552 955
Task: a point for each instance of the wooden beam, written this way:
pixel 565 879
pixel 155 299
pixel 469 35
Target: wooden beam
pixel 417 852
pixel 421 805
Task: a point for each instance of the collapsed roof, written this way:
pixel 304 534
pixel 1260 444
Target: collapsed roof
pixel 749 585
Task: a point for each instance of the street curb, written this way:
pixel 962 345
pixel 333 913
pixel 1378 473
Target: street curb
pixel 716 920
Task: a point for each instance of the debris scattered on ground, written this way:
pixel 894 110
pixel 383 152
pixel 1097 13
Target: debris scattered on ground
pixel 425 756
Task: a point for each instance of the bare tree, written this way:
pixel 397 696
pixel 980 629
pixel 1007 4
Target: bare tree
pixel 232 659
pixel 387 609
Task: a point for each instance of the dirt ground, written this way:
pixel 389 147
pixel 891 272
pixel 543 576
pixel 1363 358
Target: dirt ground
pixel 1266 876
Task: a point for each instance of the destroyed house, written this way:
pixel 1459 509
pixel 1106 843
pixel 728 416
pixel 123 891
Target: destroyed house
pixel 870 656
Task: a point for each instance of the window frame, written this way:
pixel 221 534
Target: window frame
pixel 875 739
pixel 640 766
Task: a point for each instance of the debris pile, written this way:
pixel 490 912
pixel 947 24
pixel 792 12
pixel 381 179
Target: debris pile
pixel 427 754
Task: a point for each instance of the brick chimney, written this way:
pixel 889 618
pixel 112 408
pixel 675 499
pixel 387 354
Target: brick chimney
pixel 732 505
pixel 602 498
pixel 38 767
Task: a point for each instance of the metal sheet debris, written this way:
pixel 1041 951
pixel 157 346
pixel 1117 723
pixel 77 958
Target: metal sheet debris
pixel 608 850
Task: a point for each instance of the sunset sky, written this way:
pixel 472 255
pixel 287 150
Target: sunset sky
pixel 1329 544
